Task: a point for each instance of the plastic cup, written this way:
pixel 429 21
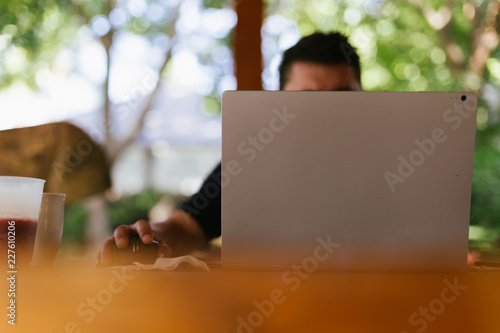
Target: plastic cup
pixel 50 229
pixel 20 199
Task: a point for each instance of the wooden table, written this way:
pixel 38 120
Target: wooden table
pixel 75 296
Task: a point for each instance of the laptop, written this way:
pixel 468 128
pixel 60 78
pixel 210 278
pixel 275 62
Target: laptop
pixel 346 180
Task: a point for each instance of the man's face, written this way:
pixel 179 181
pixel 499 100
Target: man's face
pixel 305 75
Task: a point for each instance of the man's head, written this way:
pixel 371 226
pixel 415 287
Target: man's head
pixel 320 62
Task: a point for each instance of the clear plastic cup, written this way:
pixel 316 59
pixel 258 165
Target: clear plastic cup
pixel 50 229
pixel 20 199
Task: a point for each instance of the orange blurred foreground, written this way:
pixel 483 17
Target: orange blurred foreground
pixel 77 297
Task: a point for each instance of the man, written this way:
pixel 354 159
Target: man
pixel 317 62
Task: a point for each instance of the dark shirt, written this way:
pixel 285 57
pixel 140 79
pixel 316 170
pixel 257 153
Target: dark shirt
pixel 205 205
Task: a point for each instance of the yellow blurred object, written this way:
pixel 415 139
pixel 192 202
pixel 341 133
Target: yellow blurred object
pixel 75 296
pixel 61 153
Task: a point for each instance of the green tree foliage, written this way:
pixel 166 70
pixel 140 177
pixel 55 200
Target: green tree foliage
pixel 31 33
pixel 124 210
pixel 130 209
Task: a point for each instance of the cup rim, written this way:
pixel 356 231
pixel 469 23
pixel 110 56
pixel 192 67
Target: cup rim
pixel 51 194
pixel 20 180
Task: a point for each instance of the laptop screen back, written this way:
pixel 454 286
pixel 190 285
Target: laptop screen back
pixel 349 179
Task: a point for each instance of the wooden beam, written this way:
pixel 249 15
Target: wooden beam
pixel 247 45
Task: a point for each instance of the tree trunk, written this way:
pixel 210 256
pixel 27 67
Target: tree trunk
pixel 97 222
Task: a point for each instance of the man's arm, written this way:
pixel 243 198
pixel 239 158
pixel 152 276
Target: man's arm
pixel 180 234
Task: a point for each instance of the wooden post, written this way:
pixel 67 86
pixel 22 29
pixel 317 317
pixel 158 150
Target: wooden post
pixel 247 45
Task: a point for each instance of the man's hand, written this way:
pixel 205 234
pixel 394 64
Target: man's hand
pixel 180 234
pixel 121 238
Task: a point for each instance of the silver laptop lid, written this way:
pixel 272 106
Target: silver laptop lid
pixel 347 179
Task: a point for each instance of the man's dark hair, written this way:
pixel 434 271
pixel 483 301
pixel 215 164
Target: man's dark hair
pixel 320 48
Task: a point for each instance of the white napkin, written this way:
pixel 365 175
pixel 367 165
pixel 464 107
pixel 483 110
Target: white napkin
pixel 166 264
